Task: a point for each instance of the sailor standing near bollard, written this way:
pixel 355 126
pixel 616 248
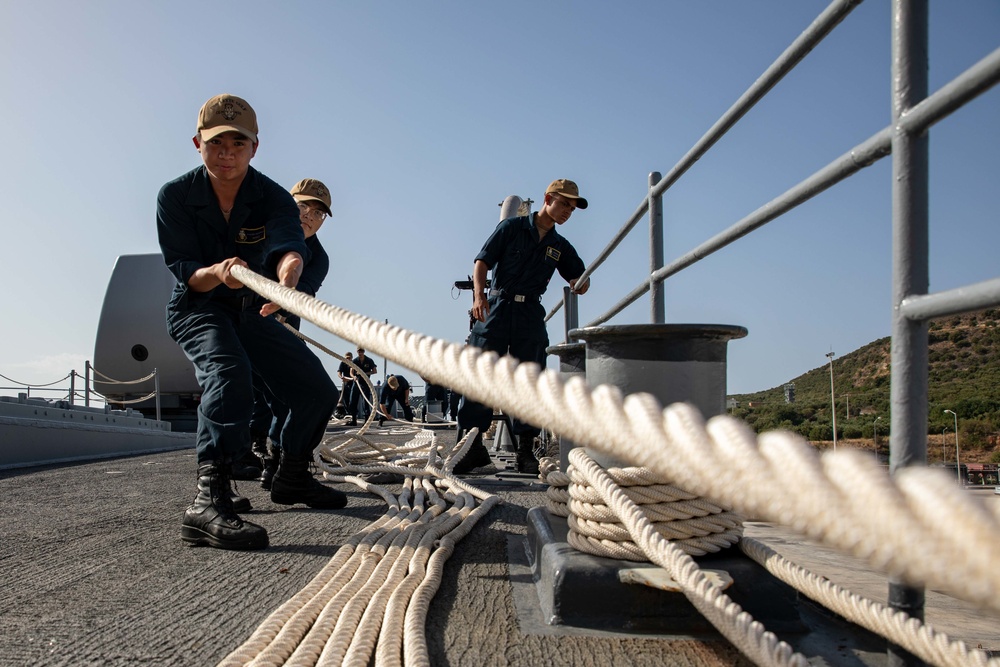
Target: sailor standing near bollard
pixel 220 215
pixel 523 253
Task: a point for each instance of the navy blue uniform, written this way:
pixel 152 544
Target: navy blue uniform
pixel 221 331
pixel 522 267
pixel 269 414
pixel 390 396
pixel 358 386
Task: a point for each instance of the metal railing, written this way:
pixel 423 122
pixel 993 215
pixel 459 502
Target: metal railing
pixel 70 393
pixel 905 139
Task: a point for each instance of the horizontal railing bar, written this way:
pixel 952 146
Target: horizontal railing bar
pixel 785 63
pixel 949 98
pixel 952 302
pixel 859 157
pixel 966 86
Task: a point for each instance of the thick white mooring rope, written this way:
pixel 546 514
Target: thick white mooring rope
pixel 841 499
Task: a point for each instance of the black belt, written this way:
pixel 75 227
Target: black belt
pixel 518 298
pixel 240 303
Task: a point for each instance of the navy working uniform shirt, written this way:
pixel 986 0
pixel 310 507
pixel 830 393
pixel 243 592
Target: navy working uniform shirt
pixel 388 395
pixel 313 275
pixel 193 233
pixel 523 266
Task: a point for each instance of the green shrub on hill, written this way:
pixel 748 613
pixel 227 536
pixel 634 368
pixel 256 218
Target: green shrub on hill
pixel 964 376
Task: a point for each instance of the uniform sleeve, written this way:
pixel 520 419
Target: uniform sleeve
pixel 315 270
pixel 175 229
pixel 284 231
pixel 571 266
pixel 493 248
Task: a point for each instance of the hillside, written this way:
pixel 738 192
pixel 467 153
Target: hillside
pixel 964 376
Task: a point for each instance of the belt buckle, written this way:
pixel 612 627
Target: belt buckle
pixel 519 298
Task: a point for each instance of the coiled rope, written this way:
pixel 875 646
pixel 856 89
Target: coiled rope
pixel 841 499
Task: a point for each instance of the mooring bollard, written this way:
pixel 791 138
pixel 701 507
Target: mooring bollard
pixel 571 362
pixel 673 362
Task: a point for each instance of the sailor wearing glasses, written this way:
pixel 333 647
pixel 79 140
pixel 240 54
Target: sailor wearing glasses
pixel 523 253
pixel 223 214
pixel 269 414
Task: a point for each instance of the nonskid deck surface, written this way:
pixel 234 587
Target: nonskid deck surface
pixel 95 572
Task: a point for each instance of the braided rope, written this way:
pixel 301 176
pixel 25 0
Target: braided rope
pixel 373 595
pixel 841 499
pixel 777 476
pixel 736 625
pixel 108 380
pixel 917 637
pixel 696 526
pixel 29 385
pixel 148 396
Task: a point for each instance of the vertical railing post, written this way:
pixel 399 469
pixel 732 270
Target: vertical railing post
pixel 86 380
pixel 72 385
pixel 657 306
pixel 156 389
pixel 571 315
pixel 910 274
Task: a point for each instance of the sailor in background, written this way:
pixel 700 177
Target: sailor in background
pixel 344 373
pixel 395 390
pixel 313 199
pixel 219 215
pixel 361 393
pixel 523 253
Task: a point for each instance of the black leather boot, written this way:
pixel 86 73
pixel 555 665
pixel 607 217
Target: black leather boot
pixel 246 467
pixel 475 457
pixel 526 461
pixel 294 483
pixel 258 444
pixel 211 520
pixel 240 503
pixel 270 467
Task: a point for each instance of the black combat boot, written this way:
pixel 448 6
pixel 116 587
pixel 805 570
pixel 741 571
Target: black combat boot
pixel 246 467
pixel 258 445
pixel 240 503
pixel 294 483
pixel 211 520
pixel 270 467
pixel 526 461
pixel 475 457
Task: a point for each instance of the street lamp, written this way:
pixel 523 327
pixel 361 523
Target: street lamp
pixel 875 435
pixel 833 402
pixel 958 465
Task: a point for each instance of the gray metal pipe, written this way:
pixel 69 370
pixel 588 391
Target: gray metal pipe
pixel 572 362
pixel 964 88
pixel 657 304
pixel 910 274
pixel 951 302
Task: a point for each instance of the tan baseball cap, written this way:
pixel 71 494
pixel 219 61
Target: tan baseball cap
pixel 309 189
pixel 567 188
pixel 227 113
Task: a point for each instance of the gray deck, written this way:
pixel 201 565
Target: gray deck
pixel 94 573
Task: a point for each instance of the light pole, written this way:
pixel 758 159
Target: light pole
pixel 833 402
pixel 958 466
pixel 875 435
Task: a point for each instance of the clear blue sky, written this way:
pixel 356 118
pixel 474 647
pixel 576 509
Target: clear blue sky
pixel 423 116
